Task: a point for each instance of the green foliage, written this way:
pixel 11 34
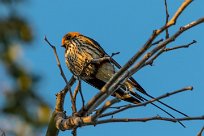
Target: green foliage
pixel 21 99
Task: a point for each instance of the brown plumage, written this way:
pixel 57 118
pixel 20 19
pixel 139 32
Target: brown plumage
pixel 79 50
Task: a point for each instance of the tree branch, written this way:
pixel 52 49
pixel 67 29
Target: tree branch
pixel 104 108
pixel 147 102
pixel 175 17
pixel 107 90
pixel 139 65
pixel 62 74
pixel 201 131
pixel 112 120
pixel 58 114
pixel 151 61
pixel 167 18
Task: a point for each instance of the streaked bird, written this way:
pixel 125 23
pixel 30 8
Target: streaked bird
pixel 80 49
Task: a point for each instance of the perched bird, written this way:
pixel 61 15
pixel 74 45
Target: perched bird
pixel 80 50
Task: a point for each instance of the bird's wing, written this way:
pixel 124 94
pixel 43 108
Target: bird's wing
pixel 134 82
pixel 95 44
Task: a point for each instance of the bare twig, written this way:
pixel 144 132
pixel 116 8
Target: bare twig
pixel 151 61
pixel 181 46
pixel 76 90
pixel 139 65
pixel 167 18
pixel 157 42
pixel 62 73
pixel 114 53
pixel 118 107
pixel 74 132
pixel 112 120
pixel 52 130
pixel 147 102
pixel 175 17
pixel 57 59
pixel 104 108
pixel 81 94
pixel 72 122
pixel 201 131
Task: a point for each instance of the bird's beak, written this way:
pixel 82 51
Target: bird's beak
pixel 62 45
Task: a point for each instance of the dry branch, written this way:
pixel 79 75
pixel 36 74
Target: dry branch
pixel 122 74
pixel 112 120
pixel 151 61
pixel 84 116
pixel 62 74
pixel 139 65
pixel 104 108
pixel 147 102
pixel 59 109
pixel 201 131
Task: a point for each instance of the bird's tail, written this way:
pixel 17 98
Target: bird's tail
pixel 136 85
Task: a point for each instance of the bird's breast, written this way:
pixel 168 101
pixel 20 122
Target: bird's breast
pixel 77 61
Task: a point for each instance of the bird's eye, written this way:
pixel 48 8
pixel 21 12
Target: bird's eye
pixel 68 37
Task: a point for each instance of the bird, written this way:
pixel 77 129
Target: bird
pixel 80 50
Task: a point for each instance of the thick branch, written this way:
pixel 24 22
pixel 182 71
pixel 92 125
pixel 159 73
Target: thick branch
pixel 72 122
pixel 52 130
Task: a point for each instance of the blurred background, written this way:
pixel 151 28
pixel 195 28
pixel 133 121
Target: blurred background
pixel 30 78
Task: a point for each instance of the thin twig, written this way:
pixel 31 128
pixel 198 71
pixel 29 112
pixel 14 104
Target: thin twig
pixel 201 131
pixel 81 94
pixel 57 59
pixel 118 107
pixel 74 132
pixel 76 90
pixel 151 61
pixel 181 46
pixel 114 53
pixel 157 42
pixel 139 65
pixel 114 120
pixel 104 108
pixel 147 102
pixel 175 17
pixel 167 18
pixel 62 73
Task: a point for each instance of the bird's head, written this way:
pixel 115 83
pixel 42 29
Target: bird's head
pixel 69 36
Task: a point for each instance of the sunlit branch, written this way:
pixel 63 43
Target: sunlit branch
pixel 147 102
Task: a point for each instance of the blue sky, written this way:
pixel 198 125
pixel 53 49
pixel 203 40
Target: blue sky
pixel 122 26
